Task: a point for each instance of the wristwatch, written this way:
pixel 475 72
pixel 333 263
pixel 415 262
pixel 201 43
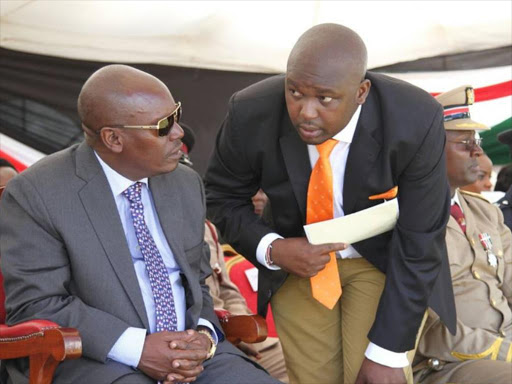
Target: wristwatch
pixel 268 256
pixel 213 348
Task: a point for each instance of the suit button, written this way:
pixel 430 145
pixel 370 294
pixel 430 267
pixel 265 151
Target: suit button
pixel 472 242
pixel 502 333
pixel 500 253
pixel 493 303
pixel 476 274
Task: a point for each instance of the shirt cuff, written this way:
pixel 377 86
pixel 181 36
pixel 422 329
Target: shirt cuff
pixel 262 249
pixel 385 357
pixel 205 323
pixel 128 348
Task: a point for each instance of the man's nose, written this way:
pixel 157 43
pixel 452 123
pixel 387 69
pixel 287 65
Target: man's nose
pixel 308 110
pixel 176 132
pixel 477 151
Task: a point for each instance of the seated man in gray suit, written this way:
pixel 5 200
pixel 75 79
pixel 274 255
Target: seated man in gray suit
pixel 107 237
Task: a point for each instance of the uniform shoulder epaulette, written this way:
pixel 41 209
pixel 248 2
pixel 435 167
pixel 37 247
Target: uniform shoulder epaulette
pixel 477 195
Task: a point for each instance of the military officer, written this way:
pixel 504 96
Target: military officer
pixel 505 203
pixel 480 256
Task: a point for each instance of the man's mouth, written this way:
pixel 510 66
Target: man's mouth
pixel 309 131
pixel 474 167
pixel 177 152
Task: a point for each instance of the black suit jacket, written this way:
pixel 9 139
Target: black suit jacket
pixel 399 141
pixel 505 205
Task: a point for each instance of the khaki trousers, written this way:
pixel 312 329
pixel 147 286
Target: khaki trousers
pixel 327 346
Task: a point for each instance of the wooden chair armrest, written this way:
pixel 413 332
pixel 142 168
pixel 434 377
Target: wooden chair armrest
pixel 246 328
pixel 44 342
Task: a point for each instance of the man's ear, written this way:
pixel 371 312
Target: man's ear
pixel 111 139
pixel 363 91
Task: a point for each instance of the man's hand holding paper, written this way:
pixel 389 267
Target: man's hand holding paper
pixel 355 227
pixel 297 256
pixel 306 257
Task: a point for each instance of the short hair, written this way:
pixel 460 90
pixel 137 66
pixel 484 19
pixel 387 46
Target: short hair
pixel 504 179
pixel 6 163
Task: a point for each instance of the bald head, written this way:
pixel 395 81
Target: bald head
pixel 120 108
pixel 117 94
pixel 331 47
pixel 6 174
pixel 325 81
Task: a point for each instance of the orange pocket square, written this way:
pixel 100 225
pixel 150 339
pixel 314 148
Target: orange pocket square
pixel 391 194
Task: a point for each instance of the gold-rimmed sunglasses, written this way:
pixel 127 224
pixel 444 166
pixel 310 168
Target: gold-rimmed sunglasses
pixel 163 126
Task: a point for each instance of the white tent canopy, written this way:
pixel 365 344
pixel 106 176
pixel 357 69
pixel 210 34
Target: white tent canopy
pixel 252 36
pixel 257 36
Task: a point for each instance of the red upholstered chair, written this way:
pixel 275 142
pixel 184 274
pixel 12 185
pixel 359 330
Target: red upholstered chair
pixel 236 266
pixel 43 342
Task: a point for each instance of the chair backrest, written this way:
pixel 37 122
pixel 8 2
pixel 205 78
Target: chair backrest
pixel 2 294
pixel 236 266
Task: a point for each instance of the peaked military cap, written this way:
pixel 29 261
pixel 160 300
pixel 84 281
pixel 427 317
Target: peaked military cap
pixel 456 109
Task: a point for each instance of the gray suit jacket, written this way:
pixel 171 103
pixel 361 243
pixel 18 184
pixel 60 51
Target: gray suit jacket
pixel 65 258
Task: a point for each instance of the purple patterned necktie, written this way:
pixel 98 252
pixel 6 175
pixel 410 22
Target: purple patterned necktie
pixel 166 319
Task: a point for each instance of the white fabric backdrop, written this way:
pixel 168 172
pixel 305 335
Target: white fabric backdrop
pixel 253 36
pixel 256 36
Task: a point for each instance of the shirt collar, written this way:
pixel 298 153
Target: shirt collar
pixel 456 199
pixel 347 134
pixel 118 183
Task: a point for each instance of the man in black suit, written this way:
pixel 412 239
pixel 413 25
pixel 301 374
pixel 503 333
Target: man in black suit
pixel 390 134
pixel 505 203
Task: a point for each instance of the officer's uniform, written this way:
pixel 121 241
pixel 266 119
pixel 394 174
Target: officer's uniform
pixel 481 269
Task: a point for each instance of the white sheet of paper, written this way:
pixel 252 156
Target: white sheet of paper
pixel 252 276
pixel 356 226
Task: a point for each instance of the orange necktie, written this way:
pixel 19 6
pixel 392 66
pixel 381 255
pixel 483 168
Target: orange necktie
pixel 326 285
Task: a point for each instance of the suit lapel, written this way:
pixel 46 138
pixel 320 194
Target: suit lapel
pixel 296 158
pixel 171 216
pixel 364 150
pixel 101 208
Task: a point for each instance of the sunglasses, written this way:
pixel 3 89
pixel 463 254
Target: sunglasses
pixel 163 126
pixel 471 144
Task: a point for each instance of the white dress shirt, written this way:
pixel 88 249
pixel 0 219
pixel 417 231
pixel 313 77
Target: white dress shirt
pixel 128 348
pixel 338 160
pixel 456 199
